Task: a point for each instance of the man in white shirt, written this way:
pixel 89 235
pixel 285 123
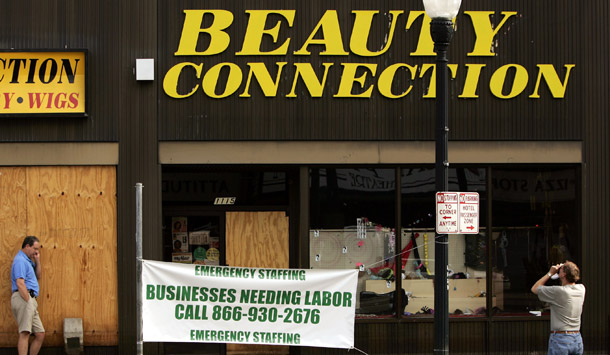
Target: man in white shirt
pixel 566 308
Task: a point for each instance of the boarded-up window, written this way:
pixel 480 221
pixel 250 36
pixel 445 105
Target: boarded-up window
pixel 72 210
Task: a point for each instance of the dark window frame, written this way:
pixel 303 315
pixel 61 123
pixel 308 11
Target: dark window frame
pixel 489 168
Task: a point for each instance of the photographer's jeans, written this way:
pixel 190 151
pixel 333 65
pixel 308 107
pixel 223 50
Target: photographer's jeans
pixel 565 344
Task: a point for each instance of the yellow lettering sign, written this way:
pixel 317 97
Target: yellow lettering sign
pixel 256 30
pixel 349 77
pixel 259 70
pixel 425 45
pixel 270 32
pixel 170 82
pixel 498 78
pixel 306 72
pixel 191 29
pixel 42 82
pixel 386 79
pixel 210 80
pixel 472 81
pixel 558 89
pixel 362 28
pixel 484 31
pixel 331 36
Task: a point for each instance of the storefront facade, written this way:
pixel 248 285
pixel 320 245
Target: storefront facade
pixel 301 135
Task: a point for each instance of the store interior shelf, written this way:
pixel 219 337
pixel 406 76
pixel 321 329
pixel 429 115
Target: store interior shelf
pixel 464 294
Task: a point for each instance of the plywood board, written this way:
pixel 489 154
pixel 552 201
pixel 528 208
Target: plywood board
pixel 257 239
pixel 72 210
pixel 12 231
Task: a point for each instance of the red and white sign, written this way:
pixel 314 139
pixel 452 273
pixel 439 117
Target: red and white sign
pixel 468 212
pixel 457 213
pixel 447 212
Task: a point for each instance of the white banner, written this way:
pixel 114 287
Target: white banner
pixel 223 304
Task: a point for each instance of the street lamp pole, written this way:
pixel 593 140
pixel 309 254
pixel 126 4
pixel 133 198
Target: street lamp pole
pixel 441 30
pixel 442 13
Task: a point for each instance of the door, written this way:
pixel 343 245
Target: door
pixel 257 239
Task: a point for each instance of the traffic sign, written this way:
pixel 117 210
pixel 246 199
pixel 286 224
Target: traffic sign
pixel 469 212
pixel 447 212
pixel 457 213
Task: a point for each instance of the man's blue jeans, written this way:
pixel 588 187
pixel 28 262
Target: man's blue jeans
pixel 565 344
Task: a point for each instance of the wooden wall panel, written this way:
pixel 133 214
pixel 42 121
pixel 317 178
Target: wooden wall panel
pixel 72 210
pixel 596 190
pixel 519 337
pixel 467 338
pixel 136 24
pixel 257 239
pixel 12 231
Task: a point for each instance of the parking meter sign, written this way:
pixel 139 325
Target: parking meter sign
pixel 447 213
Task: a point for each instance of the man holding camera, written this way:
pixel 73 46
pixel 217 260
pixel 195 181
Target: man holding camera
pixel 566 307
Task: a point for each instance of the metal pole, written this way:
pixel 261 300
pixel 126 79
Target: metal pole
pixel 139 346
pixel 441 31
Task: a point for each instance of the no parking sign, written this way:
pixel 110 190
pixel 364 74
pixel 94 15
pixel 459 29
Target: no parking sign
pixel 457 213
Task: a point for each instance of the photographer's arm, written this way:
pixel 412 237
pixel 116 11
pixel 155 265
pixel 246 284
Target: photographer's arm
pixel 552 271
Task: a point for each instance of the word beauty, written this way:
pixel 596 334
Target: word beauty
pixel 357 80
pixel 42 82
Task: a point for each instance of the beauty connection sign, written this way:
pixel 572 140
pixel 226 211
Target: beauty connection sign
pixel 43 83
pixel 253 33
pixel 223 304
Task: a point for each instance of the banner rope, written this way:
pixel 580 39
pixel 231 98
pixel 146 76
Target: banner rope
pixel 356 349
pixel 407 251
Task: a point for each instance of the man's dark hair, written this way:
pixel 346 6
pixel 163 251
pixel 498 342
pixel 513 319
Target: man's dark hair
pixel 29 240
pixel 572 272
